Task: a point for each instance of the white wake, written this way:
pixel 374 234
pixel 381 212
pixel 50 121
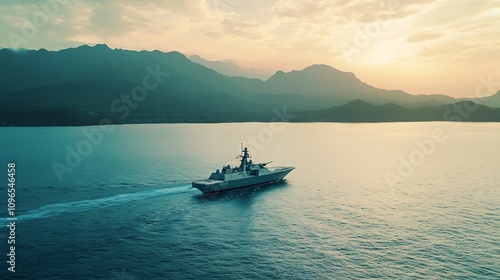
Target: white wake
pixel 91 204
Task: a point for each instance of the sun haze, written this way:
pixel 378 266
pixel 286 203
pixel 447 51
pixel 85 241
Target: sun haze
pixel 421 46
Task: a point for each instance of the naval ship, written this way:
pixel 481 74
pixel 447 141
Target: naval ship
pixel 247 174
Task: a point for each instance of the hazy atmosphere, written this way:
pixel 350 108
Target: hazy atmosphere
pixel 249 139
pixel 421 47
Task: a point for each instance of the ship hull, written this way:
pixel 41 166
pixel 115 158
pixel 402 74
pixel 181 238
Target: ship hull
pixel 212 186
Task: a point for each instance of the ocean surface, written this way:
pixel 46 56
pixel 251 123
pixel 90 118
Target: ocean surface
pixel 389 200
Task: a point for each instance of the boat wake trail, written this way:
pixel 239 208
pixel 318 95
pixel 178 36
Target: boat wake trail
pixel 90 204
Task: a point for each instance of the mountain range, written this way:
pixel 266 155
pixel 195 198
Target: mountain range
pixel 231 69
pixel 85 84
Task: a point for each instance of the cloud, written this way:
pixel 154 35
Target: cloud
pixel 419 37
pixel 460 32
pixel 230 29
pixel 109 20
pixel 342 11
pixel 301 9
pixel 366 11
pixel 241 29
pixel 419 34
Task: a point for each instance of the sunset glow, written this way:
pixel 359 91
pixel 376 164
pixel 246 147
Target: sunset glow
pixel 422 47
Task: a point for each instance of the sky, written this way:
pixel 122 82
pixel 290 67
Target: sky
pixel 420 46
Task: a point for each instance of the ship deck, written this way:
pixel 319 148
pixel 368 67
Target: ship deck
pixel 207 182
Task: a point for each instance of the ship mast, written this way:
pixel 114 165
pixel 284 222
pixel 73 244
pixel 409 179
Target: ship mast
pixel 244 158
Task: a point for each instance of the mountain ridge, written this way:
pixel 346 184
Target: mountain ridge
pixel 231 69
pixel 90 78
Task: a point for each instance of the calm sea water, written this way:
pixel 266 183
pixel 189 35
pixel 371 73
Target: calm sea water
pixel 364 202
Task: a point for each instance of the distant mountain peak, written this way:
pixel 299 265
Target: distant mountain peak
pixel 88 47
pixel 229 68
pixel 315 73
pixel 358 102
pixel 324 68
pixel 101 46
pixel 316 69
pixel 177 53
pixel 321 66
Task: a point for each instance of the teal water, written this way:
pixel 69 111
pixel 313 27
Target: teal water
pixel 127 211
